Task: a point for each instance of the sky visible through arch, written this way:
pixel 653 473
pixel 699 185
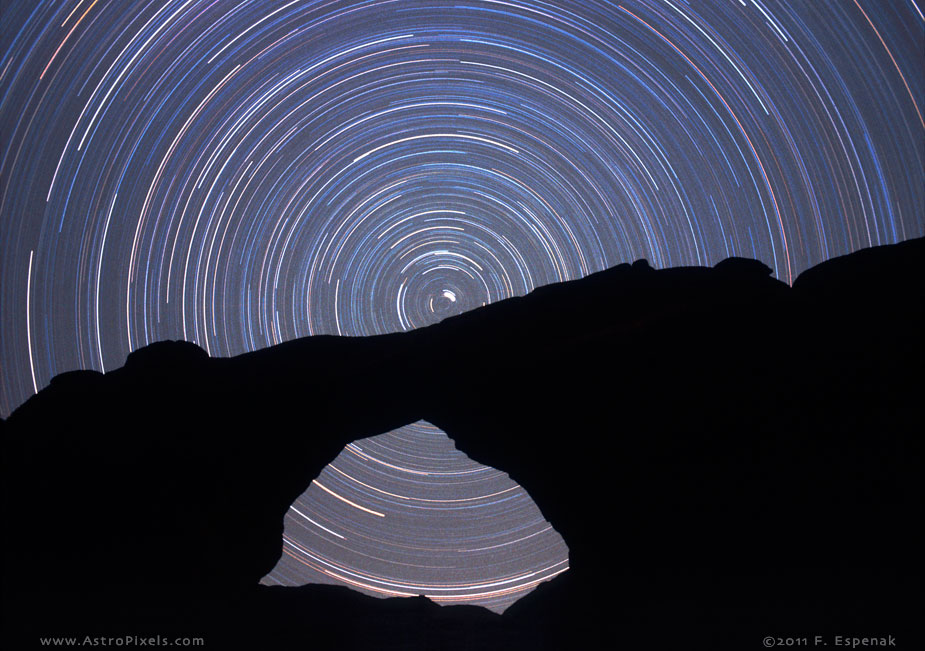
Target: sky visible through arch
pixel 405 513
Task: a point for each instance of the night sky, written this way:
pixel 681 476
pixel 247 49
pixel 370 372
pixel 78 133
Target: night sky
pixel 242 173
pixel 420 518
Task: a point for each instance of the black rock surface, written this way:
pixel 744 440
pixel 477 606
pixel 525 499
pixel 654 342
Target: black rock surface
pixel 728 458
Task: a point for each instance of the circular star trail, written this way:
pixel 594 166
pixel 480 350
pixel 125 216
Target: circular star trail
pixel 242 173
pixel 405 513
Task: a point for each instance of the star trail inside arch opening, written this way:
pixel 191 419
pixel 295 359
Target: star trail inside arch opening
pixel 405 513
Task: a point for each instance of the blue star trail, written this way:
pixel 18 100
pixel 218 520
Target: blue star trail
pixel 239 174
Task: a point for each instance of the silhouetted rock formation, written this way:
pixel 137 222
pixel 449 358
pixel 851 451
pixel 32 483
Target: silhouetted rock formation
pixel 727 458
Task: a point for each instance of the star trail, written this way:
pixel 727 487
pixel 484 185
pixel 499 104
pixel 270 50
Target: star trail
pixel 242 173
pixel 421 519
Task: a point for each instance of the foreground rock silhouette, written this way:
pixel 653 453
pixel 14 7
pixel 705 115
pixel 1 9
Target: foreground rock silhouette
pixel 728 458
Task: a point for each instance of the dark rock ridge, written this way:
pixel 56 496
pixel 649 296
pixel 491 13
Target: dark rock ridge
pixel 728 458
